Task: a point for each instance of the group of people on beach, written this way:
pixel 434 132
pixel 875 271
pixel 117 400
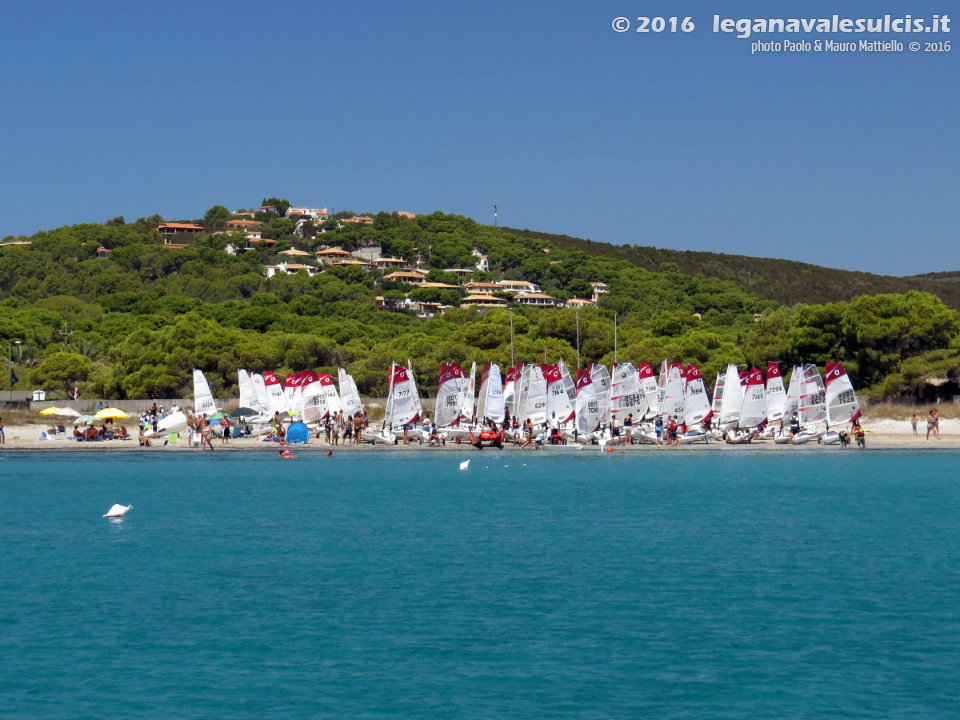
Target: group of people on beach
pixel 933 423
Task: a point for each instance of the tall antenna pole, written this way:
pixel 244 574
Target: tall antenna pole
pixel 495 213
pixel 578 339
pixel 512 362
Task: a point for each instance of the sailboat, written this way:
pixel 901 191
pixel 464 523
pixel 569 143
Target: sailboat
pixel 791 408
pixel 490 401
pixel 648 388
pixel 753 408
pixel 588 414
pixel 320 398
pixel 842 403
pixel 696 406
pixel 674 392
pixel 403 405
pixel 776 395
pixel 509 390
pixel 202 395
pixel 625 396
pixel 277 401
pixel 349 395
pixel 559 408
pixel 452 392
pixel 732 398
pixel 813 408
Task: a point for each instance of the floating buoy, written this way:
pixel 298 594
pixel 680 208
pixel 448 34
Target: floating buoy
pixel 465 464
pixel 118 511
pixel 609 449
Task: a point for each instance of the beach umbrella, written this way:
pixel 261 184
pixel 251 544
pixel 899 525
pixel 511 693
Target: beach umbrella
pixel 67 412
pixel 217 416
pixel 84 419
pixel 49 411
pixel 243 412
pixel 111 414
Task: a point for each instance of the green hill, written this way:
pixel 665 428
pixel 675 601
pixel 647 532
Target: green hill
pixel 121 310
pixel 786 281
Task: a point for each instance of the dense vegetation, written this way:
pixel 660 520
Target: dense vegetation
pixel 785 281
pixel 135 324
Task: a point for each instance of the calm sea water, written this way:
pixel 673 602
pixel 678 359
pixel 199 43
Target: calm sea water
pixel 389 585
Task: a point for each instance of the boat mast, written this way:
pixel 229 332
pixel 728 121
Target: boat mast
pixel 615 340
pixel 578 339
pixel 512 363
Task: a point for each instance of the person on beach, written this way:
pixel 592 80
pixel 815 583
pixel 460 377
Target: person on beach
pixel 932 424
pixel 658 429
pixel 527 434
pixel 3 435
pixel 614 430
pixel 206 435
pixel 225 429
pixel 144 440
pixel 357 427
pixel 860 436
pixel 913 423
pixel 628 429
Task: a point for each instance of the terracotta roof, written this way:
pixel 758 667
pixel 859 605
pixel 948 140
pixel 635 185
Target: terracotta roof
pixel 402 275
pixel 179 226
pixel 242 223
pixel 444 286
pixel 333 251
pixel 295 252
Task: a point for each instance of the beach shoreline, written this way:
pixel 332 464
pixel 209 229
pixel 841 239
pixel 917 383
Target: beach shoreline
pixel 882 434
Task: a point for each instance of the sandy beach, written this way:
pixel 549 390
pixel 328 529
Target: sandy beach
pixel 882 434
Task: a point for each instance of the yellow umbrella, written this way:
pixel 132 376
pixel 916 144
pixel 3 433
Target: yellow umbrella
pixel 50 411
pixel 110 413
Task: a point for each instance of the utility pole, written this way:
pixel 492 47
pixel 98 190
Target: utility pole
pixel 495 206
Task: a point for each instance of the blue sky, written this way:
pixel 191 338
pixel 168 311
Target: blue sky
pixel 675 140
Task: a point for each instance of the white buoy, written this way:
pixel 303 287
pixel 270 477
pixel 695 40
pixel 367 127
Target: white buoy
pixel 118 511
pixel 465 464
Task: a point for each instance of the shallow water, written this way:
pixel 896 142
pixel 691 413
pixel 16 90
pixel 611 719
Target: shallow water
pixel 754 585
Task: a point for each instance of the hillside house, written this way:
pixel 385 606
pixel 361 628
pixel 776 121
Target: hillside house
pixel 390 264
pixel 289 269
pixel 168 229
pixel 535 299
pixel 520 286
pixel 411 278
pixel 482 301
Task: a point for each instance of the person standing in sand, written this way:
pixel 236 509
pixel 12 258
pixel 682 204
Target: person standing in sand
pixel 3 436
pixel 932 422
pixel 913 423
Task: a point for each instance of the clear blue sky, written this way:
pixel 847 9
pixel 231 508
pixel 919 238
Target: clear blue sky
pixel 672 140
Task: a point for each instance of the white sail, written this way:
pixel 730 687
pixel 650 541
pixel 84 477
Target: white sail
pixel 791 407
pixel 490 405
pixel 522 389
pixel 675 390
pixel 776 394
pixel 349 395
pixel 718 396
pixel 451 392
pixel 662 386
pixel 813 407
pixel 469 403
pixel 202 396
pixel 696 399
pixel 649 390
pixel 753 410
pixel 416 394
pixel 732 396
pixel 842 403
pixel 289 388
pixel 509 390
pixel 568 383
pixel 263 399
pixel 600 377
pixel 248 394
pixel 535 398
pixel 625 396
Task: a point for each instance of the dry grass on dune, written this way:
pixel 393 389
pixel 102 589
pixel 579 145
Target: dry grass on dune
pixel 903 411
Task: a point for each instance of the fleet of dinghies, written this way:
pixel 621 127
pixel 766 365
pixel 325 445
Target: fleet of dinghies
pixel 588 407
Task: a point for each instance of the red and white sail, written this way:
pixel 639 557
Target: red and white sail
pixel 558 402
pixel 842 403
pixel 402 399
pixel 278 403
pixel 776 393
pixel 533 394
pixel 588 404
pixel 753 410
pixel 490 400
pixel 469 407
pixel 791 407
pixel 696 400
pixel 451 393
pixel 309 397
pixel 717 403
pixel 648 388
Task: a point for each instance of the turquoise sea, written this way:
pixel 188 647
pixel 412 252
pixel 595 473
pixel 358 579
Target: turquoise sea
pixel 391 585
